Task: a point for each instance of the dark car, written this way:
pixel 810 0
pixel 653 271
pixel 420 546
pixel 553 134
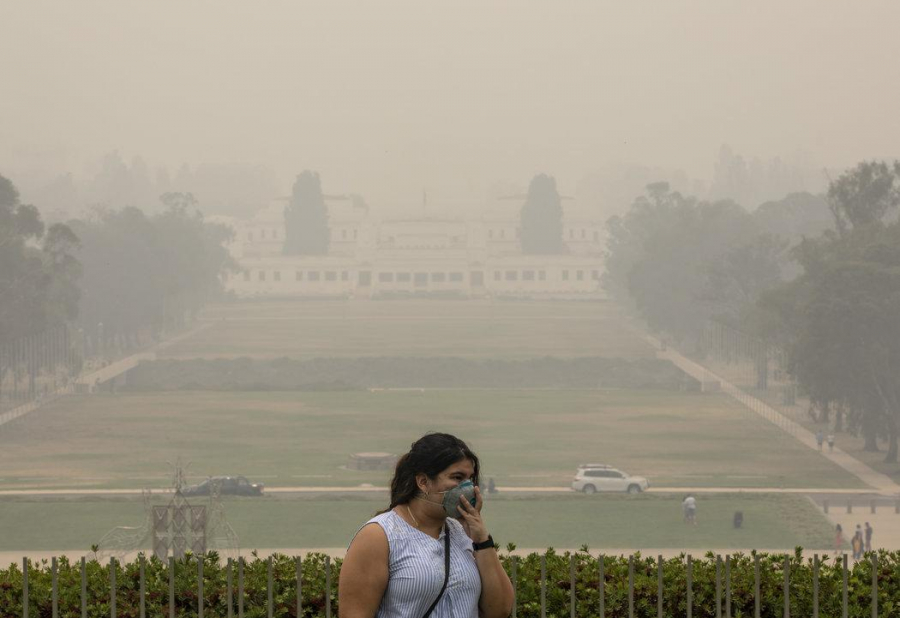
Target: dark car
pixel 228 486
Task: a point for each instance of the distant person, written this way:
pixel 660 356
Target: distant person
pixel 430 551
pixel 690 510
pixel 820 438
pixel 838 539
pixel 868 537
pixel 492 488
pixel 738 519
pixel 857 543
pixel 831 443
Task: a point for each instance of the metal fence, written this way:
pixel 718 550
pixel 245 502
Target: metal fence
pixel 235 586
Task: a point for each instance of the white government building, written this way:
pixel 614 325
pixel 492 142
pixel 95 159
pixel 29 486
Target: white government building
pixel 373 257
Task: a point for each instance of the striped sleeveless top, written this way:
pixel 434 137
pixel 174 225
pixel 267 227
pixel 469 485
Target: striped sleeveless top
pixel 416 571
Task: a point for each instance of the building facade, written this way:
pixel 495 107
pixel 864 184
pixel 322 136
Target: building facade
pixel 417 256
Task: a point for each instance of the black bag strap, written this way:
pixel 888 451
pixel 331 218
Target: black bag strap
pixel 446 570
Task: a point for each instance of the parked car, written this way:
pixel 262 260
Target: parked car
pixel 591 478
pixel 228 486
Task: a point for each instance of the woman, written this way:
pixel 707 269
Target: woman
pixel 838 539
pixel 396 565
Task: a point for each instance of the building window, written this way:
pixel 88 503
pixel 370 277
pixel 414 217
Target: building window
pixel 403 277
pixel 275 234
pixel 421 280
pixel 583 232
pixel 518 233
pixel 344 234
pixel 262 234
pixel 354 233
pixel 565 274
pixel 330 275
pixel 365 278
pixel 345 275
pixel 528 275
pixel 496 275
pixel 579 274
pixel 512 275
pixel 542 275
pixel 502 233
pixel 298 276
pixel 438 277
pixel 385 277
pixel 595 275
pixel 313 275
pixel 490 234
pixel 571 234
pixel 246 275
pixel 596 236
pixel 262 275
pixel 456 277
pixel 277 275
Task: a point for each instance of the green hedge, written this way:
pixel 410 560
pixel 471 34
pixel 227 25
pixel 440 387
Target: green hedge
pixel 243 374
pixel 528 582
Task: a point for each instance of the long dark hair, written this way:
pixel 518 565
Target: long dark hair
pixel 429 455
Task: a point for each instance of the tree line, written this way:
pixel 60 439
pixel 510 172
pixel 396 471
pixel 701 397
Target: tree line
pixel 117 276
pixel 816 276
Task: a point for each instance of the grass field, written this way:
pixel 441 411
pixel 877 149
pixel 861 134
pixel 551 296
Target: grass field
pixel 524 437
pixel 470 329
pixel 600 521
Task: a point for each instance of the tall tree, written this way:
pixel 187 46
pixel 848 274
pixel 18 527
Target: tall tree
pixel 864 195
pixel 542 226
pixel 306 218
pixel 38 280
pixel 840 318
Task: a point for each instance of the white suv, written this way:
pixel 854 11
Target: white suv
pixel 592 478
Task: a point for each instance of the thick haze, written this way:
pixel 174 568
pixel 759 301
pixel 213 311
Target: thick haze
pixel 389 98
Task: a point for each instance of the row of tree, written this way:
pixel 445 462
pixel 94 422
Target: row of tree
pixel 816 276
pixel 115 275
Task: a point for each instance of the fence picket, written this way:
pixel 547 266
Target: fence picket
pixel 756 599
pixel 544 586
pixel 630 586
pixel 171 586
pixel 142 604
pixel 816 586
pixel 54 592
pixel 659 586
pixel 727 585
pixel 602 588
pixel 845 605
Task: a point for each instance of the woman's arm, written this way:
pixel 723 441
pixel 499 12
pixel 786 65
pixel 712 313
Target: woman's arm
pixel 496 590
pixel 364 574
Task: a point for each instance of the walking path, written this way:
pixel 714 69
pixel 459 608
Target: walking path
pixel 99 376
pixel 878 481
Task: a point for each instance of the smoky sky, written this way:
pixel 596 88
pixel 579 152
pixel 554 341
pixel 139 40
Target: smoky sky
pixel 389 98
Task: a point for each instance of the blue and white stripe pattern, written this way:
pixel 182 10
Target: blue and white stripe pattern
pixel 416 572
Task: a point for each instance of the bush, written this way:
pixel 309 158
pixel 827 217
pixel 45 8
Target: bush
pixel 528 584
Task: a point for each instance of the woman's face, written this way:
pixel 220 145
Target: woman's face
pixel 448 478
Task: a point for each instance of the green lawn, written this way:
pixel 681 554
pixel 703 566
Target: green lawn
pixel 566 521
pixel 524 437
pixel 470 329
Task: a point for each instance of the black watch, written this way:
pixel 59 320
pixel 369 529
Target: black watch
pixel 483 544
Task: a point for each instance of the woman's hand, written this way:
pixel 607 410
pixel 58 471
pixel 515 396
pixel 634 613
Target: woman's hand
pixel 471 520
